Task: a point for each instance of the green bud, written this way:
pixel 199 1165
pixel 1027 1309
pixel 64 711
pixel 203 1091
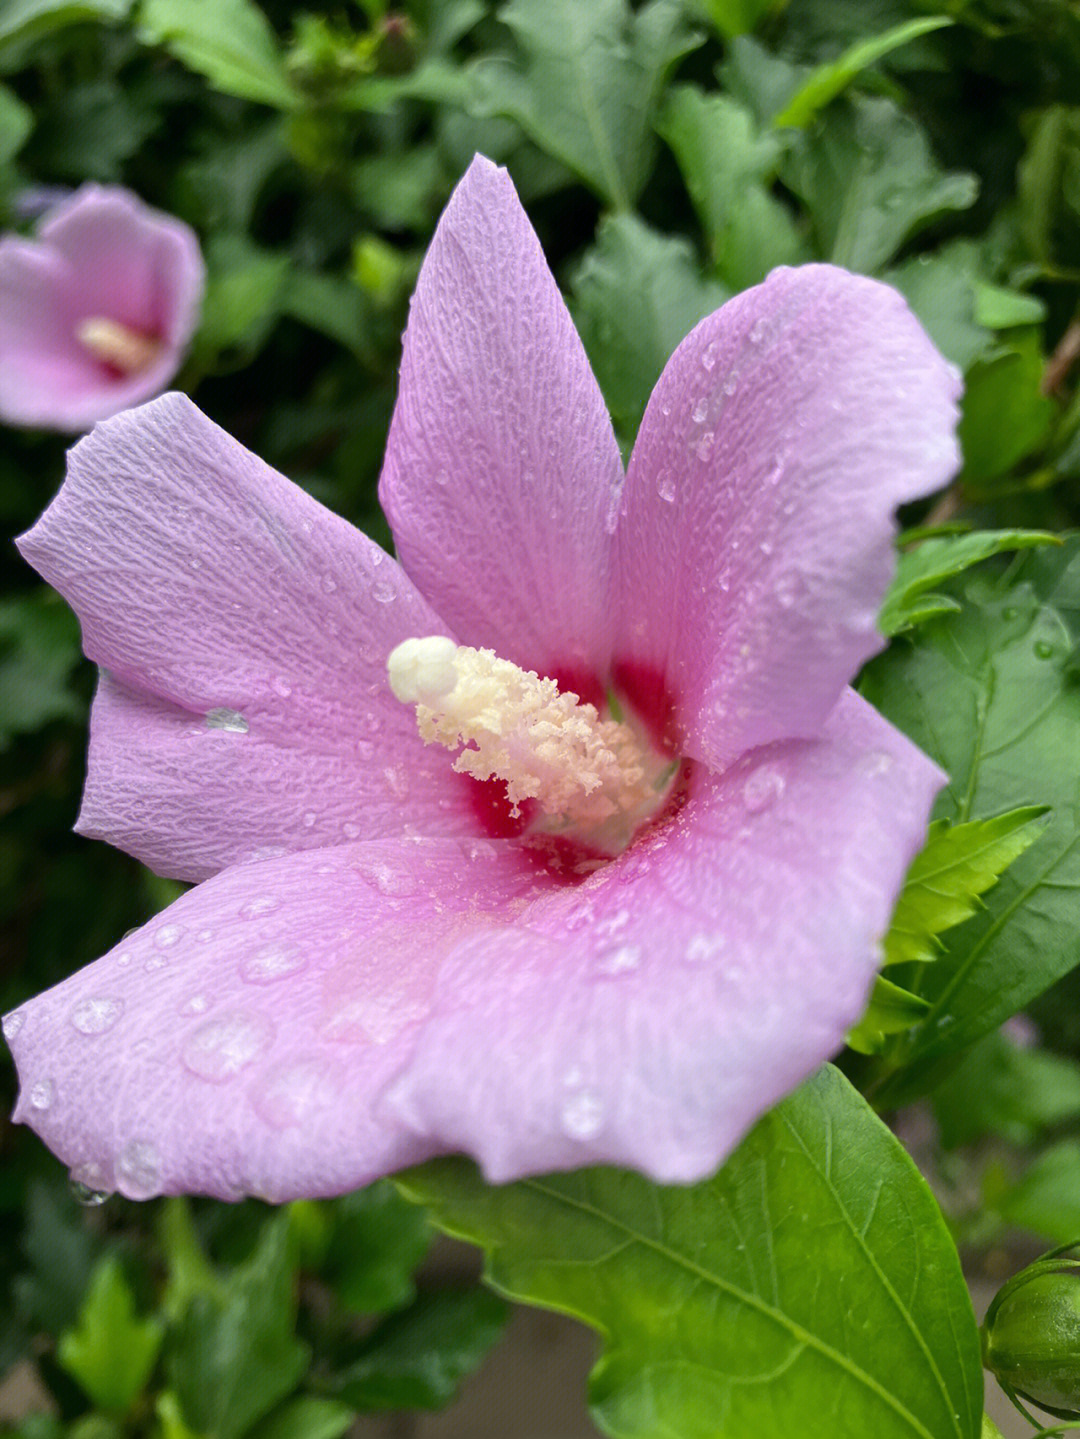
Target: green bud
pixel 1031 1334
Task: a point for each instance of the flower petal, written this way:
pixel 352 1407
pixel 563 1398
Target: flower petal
pixel 502 467
pixel 246 629
pixel 648 1017
pixel 756 540
pixel 234 1044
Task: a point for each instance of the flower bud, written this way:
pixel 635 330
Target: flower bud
pixel 1031 1334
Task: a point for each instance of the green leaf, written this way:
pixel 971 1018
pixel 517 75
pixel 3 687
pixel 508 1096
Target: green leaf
pixel 418 1358
pixel 1004 1089
pixel 234 1355
pixel 1046 1199
pixel 728 167
pixel 60 1254
pixel 333 305
pixel 1054 137
pixel 991 693
pixel 39 650
pixel 190 1272
pixel 244 290
pixel 230 42
pixel 306 1417
pixel 90 130
pixel 809 1288
pixel 832 79
pixel 958 864
pixel 940 289
pixel 22 20
pixel 110 1352
pixel 738 17
pixel 16 122
pixel 933 561
pixel 999 308
pixel 891 1010
pixel 223 183
pixel 1005 415
pixel 636 294
pixel 870 182
pixel 377 1242
pixel 588 83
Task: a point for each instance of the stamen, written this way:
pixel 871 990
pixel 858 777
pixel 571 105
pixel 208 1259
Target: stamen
pixel 586 773
pixel 125 349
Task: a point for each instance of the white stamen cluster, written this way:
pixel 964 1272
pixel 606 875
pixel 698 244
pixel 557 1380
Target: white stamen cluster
pixel 547 746
pixel 125 349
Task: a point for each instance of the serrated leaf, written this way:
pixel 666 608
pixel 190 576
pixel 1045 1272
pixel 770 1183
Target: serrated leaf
pixel 230 42
pixel 110 1352
pixel 636 294
pixel 726 1308
pixel 891 1010
pixel 233 1356
pixel 39 650
pixel 832 79
pixel 418 1358
pixel 728 167
pixel 958 864
pixel 992 694
pixel 588 82
pixel 870 182
pixel 933 560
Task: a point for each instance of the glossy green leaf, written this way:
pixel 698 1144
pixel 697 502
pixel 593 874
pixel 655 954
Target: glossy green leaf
pixel 809 1288
pixel 958 864
pixel 1005 415
pixel 636 295
pixel 870 182
pixel 991 693
pixel 940 289
pixel 587 84
pixel 999 308
pixel 306 1417
pixel 728 168
pixel 234 1355
pixel 376 1244
pixel 230 42
pixel 418 1358
pixel 111 1352
pixel 832 79
pixel 929 563
pixel 891 1010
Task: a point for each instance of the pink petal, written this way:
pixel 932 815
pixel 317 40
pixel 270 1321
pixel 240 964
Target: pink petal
pixel 221 596
pixel 502 467
pixel 101 254
pixel 648 1017
pixel 756 540
pixel 234 1044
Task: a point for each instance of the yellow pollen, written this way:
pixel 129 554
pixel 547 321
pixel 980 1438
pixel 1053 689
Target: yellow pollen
pixel 583 771
pixel 125 349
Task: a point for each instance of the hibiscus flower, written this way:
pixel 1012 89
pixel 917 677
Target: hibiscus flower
pixel 97 311
pixel 640 918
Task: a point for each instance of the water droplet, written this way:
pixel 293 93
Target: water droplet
pixel 350 830
pixel 226 719
pixel 582 1115
pixel 766 547
pixel 290 1094
pixel 397 781
pixel 265 904
pixel 204 935
pixel 197 1004
pixel 387 878
pixel 758 331
pixel 138 1170
pixel 168 935
pixel 703 448
pixel 329 584
pixel 96 1016
pixel 708 359
pixel 702 947
pixel 665 408
pixel 665 486
pixel 763 788
pixel 309 818
pixel 442 477
pixel 281 687
pixel 1043 651
pixel 1009 612
pixel 618 960
pixel 273 961
pixel 123 960
pixel 382 593
pixel 156 961
pixel 13 1024
pixel 225 1044
pixel 731 384
pixel 86 1182
pixel 700 411
pixel 42 1094
pixel 875 762
pixel 787 587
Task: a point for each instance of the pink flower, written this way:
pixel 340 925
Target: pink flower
pixel 381 962
pixel 96 313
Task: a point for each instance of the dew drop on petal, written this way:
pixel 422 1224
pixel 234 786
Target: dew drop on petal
pixel 350 830
pixel 197 1004
pixel 265 904
pixel 665 486
pixel 96 1016
pixel 225 1044
pixel 88 1185
pixel 281 687
pixel 138 1170
pixel 708 359
pixel 13 1024
pixel 875 762
pixel 619 959
pixel 758 331
pixel 123 960
pixel 700 411
pixel 309 818
pixel 226 719
pixel 763 788
pixel 703 947
pixel 382 592
pixel 42 1094
pixel 271 962
pixel 582 1115
pixel 730 386
pixel 168 935
pixel 287 1096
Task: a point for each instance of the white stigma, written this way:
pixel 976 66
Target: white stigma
pixel 597 777
pixel 115 344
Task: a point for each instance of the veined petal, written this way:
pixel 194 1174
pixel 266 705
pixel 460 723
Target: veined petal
pixel 648 1017
pixel 756 540
pixel 502 467
pixel 246 630
pixel 234 1045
